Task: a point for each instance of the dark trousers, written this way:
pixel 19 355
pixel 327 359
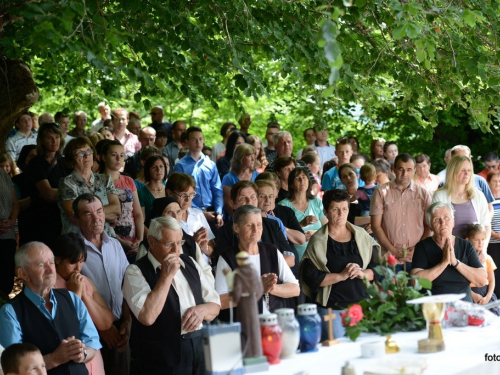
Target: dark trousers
pixel 192 359
pixel 115 363
pixel 7 266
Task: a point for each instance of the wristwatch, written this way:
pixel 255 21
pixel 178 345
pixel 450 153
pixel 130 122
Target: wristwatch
pixel 85 354
pixel 456 265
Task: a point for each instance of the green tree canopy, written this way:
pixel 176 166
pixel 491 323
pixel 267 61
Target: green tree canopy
pixel 401 61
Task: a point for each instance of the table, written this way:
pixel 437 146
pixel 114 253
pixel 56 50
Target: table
pixel 464 354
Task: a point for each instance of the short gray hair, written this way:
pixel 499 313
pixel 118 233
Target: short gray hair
pixel 437 206
pixel 281 134
pixel 243 211
pixel 160 223
pixel 461 148
pixel 22 258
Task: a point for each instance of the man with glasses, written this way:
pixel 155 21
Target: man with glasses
pixel 157 122
pixel 206 177
pixel 169 297
pixel 491 163
pixel 105 266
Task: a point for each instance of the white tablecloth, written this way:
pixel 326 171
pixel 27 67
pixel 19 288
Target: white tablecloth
pixel 464 354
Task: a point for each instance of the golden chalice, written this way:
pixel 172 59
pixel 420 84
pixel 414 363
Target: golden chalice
pixel 433 308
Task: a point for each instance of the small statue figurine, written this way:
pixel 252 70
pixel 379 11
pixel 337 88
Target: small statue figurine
pixel 247 290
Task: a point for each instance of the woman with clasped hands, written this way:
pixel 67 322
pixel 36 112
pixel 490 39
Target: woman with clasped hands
pixel 277 277
pixel 338 257
pixel 450 262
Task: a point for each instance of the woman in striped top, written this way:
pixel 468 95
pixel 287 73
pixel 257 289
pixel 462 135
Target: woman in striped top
pixel 493 179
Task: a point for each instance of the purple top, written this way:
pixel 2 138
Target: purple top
pixel 464 215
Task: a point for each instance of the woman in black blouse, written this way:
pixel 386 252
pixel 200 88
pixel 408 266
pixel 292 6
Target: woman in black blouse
pixel 337 259
pixel 44 173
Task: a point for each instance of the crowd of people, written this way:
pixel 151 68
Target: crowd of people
pixel 123 235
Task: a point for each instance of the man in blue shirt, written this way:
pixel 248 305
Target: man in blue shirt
pixel 331 179
pixel 55 320
pixel 205 174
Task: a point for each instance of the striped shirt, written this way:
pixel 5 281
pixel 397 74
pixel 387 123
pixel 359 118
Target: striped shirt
pixel 495 222
pixel 17 142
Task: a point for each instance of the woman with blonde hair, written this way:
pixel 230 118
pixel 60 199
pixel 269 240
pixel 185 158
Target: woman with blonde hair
pixel 468 202
pixel 260 155
pixel 242 169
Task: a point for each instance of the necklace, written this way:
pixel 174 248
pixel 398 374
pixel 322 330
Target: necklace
pixel 156 190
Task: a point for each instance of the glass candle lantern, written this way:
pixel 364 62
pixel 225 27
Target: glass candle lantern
pixel 310 327
pixel 290 332
pixel 270 332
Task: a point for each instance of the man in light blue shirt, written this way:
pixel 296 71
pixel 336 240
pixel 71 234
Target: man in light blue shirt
pixel 105 265
pixel 55 320
pixel 205 174
pixel 331 179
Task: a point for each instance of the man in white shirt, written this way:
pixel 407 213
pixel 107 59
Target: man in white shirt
pixel 169 297
pixel 105 112
pixel 447 158
pixel 325 150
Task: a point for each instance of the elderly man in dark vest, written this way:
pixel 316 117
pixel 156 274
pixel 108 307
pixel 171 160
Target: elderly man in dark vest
pixel 55 320
pixel 169 297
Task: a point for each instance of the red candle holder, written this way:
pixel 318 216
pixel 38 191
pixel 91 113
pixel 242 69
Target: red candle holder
pixel 270 332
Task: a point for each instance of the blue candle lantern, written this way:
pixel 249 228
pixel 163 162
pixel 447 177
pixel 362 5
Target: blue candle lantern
pixel 310 327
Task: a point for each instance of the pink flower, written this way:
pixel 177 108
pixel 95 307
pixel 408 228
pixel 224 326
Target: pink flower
pixel 355 312
pixel 391 260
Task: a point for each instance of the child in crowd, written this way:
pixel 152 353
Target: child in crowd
pixel 358 161
pixel 313 161
pixel 22 359
pixel 161 139
pixel 476 234
pixel 364 194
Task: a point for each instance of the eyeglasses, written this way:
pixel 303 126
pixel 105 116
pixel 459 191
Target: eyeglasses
pixel 170 245
pixel 81 154
pixel 185 196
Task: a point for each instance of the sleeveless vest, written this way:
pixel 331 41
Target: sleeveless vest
pixel 268 264
pixel 47 334
pixel 160 343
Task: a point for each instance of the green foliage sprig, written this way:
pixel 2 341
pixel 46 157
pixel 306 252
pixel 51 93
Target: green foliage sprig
pixel 385 311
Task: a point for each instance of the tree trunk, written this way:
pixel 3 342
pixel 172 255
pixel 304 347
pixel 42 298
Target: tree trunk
pixel 18 92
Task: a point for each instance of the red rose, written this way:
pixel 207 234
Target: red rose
pixel 391 260
pixel 355 312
